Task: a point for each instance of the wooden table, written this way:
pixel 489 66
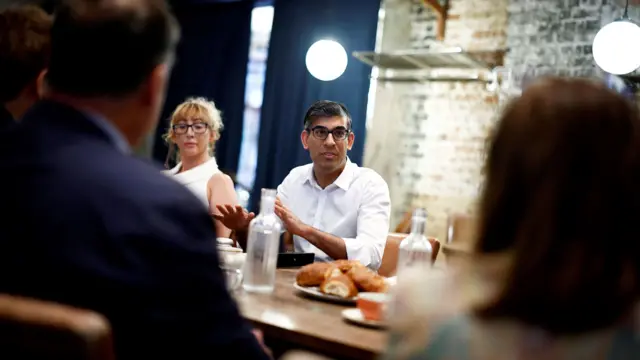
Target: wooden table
pixel 307 323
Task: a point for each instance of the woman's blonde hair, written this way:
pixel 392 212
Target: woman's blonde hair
pixel 196 107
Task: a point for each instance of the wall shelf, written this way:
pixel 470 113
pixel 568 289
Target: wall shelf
pixel 444 64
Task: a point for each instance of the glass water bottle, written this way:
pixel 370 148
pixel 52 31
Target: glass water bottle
pixel 262 247
pixel 415 249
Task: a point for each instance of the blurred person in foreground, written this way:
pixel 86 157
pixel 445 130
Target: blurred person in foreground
pixel 331 207
pixel 24 54
pixel 86 224
pixel 556 269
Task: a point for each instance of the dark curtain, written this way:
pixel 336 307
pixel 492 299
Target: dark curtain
pixel 211 62
pixel 290 89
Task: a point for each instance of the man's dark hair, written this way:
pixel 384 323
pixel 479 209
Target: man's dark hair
pixel 24 48
pixel 109 47
pixel 326 108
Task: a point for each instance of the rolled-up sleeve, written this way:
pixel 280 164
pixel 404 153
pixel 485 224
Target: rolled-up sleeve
pixel 282 193
pixel 372 225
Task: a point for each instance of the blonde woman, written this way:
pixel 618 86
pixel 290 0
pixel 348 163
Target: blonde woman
pixel 194 128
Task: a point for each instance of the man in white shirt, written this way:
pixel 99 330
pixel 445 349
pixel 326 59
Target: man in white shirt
pixel 331 207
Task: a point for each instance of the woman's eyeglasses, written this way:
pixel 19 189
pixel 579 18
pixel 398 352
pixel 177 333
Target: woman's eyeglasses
pixel 198 128
pixel 322 133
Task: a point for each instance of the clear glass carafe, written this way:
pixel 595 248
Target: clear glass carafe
pixel 259 273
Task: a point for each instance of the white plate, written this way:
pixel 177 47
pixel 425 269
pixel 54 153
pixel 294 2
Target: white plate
pixel 315 292
pixel 355 316
pixel 391 281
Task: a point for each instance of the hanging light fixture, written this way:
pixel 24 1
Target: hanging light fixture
pixel 616 47
pixel 326 60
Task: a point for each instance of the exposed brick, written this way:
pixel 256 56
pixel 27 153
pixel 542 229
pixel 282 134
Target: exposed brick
pixel 431 152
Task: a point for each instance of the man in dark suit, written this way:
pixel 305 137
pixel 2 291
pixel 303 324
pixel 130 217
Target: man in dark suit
pixel 24 52
pixel 88 225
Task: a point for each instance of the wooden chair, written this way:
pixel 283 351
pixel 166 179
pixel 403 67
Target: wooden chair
pixel 302 355
pixel 404 227
pixel 390 257
pixel 461 232
pixel 33 329
pixel 461 229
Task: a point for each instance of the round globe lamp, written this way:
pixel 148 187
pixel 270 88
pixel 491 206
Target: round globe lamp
pixel 616 47
pixel 326 60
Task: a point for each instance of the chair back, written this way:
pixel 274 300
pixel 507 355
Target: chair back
pixel 34 329
pixel 461 229
pixel 391 251
pixel 302 355
pixel 404 227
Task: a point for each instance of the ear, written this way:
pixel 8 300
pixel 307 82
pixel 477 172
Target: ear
pixel 350 139
pixel 154 89
pixel 305 139
pixel 41 84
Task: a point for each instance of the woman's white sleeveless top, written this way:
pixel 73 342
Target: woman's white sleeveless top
pixel 196 179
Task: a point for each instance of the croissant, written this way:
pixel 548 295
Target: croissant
pixel 367 281
pixel 332 271
pixel 340 286
pixel 346 265
pixel 313 274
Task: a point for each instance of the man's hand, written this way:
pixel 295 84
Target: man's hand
pixel 258 334
pixel 290 221
pixel 330 244
pixel 234 217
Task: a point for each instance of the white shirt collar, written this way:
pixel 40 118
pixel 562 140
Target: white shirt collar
pixel 343 181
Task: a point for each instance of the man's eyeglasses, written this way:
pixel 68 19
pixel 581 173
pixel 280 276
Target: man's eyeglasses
pixel 322 133
pixel 198 128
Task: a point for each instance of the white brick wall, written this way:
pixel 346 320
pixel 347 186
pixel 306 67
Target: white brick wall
pixel 433 159
pixel 427 140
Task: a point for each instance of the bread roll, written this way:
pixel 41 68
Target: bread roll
pixel 332 271
pixel 346 265
pixel 313 274
pixel 340 286
pixel 367 281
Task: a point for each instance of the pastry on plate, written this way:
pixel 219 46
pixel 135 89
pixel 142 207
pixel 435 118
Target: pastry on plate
pixel 367 280
pixel 346 265
pixel 332 271
pixel 313 274
pixel 341 286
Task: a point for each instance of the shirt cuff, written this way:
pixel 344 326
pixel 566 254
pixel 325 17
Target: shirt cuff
pixel 367 252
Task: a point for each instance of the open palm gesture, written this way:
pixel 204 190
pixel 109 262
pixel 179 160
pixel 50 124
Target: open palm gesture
pixel 234 217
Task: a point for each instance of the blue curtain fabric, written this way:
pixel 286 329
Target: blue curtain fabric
pixel 290 89
pixel 211 62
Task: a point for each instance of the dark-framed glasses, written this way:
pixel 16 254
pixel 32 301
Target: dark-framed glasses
pixel 198 128
pixel 322 133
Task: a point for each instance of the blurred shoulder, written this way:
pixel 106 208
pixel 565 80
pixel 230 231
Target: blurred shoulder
pixel 425 307
pixel 135 186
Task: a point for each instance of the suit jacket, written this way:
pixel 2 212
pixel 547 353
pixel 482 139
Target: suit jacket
pixel 6 119
pixel 86 225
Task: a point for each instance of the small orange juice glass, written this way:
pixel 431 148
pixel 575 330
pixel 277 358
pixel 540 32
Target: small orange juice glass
pixel 372 305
